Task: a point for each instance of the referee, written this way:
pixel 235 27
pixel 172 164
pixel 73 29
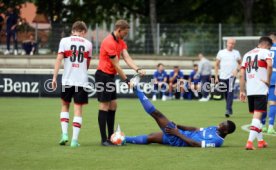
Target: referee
pixel 112 48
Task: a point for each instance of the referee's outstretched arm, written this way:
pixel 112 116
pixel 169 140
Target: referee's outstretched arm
pixel 131 63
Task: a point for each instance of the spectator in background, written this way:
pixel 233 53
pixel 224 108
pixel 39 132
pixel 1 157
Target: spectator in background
pixel 204 72
pixel 1 26
pixel 1 22
pixel 228 60
pixel 160 79
pixel 176 82
pixel 29 46
pixel 11 24
pixel 194 81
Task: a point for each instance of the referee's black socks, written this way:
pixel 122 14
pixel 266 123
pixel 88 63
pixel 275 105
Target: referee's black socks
pixel 102 119
pixel 110 122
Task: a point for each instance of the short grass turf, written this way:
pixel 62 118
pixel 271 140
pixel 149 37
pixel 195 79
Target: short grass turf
pixel 30 132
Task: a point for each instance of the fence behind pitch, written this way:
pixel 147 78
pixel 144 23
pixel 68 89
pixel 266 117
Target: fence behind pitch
pixel 168 39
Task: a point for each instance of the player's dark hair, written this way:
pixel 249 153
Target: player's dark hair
pixel 266 40
pixel 79 26
pixel 160 64
pixel 195 65
pixel 122 24
pixel 231 126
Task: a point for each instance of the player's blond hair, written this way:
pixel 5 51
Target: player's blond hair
pixel 121 24
pixel 79 26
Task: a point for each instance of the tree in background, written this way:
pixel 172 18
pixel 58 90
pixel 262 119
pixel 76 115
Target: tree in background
pixel 248 22
pixel 153 23
pixel 54 10
pixel 242 12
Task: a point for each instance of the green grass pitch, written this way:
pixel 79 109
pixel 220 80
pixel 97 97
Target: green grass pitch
pixel 30 131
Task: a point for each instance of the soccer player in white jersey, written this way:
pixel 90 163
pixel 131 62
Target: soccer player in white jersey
pixel 76 52
pixel 227 66
pixel 256 70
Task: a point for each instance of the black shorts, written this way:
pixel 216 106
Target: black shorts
pixel 79 94
pixel 106 88
pixel 257 103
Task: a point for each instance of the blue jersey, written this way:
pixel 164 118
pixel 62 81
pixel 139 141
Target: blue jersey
pixel 273 55
pixel 192 77
pixel 208 137
pixel 160 76
pixel 179 76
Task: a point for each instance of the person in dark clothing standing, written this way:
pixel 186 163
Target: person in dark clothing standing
pixel 11 24
pixel 1 22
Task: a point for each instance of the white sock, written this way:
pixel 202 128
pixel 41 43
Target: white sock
pixel 76 127
pixel 270 126
pixel 64 121
pixel 255 127
pixel 260 135
pixel 196 93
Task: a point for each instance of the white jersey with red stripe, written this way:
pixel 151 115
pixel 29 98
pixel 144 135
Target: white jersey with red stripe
pixel 77 51
pixel 255 65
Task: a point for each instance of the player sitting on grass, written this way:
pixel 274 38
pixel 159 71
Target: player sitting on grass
pixel 177 135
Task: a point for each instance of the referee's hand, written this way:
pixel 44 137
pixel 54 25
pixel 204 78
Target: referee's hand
pixel 141 72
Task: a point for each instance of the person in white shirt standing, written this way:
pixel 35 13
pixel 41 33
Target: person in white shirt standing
pixel 228 61
pixel 76 52
pixel 257 67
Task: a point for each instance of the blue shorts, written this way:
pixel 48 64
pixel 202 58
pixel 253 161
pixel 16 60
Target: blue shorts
pixel 163 87
pixel 271 95
pixel 165 140
pixel 171 139
pixel 196 82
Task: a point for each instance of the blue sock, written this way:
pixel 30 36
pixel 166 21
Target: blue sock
pixel 272 112
pixel 263 119
pixel 182 95
pixel 190 95
pixel 155 89
pixel 148 106
pixel 142 139
pixel 170 94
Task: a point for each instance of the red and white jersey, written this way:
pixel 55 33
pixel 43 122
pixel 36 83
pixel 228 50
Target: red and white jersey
pixel 255 65
pixel 76 51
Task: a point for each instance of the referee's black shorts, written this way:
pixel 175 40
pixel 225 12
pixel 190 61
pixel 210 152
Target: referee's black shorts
pixel 105 86
pixel 257 103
